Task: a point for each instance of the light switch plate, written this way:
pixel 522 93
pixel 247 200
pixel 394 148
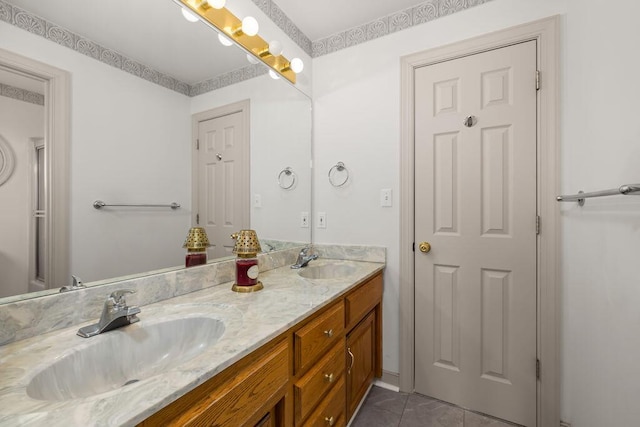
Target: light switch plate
pixel 304 219
pixel 385 197
pixel 257 201
pixel 322 220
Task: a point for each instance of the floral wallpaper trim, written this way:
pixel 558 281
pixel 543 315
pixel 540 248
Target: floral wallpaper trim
pixel 401 20
pixel 273 11
pixel 21 94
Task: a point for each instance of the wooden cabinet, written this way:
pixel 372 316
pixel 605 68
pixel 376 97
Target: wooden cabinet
pixel 316 383
pixel 314 374
pixel 312 340
pixel 363 340
pixel 249 393
pixel 360 364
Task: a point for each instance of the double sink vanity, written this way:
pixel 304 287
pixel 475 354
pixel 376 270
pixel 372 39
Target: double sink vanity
pixel 302 351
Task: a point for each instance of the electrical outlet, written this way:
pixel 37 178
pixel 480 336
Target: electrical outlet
pixel 304 219
pixel 257 201
pixel 322 220
pixel 385 197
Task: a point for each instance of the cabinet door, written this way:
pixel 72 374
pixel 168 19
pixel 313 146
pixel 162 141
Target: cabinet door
pixel 360 361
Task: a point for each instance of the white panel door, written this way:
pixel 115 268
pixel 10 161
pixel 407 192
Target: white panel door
pixel 475 203
pixel 221 183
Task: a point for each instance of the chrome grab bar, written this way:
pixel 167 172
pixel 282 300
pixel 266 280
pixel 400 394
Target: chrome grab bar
pixel 622 190
pixel 99 204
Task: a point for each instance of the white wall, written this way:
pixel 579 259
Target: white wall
pixel 129 144
pixel 19 122
pixel 356 120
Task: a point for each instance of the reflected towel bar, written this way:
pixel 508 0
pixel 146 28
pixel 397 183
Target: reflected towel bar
pixel 99 204
pixel 623 189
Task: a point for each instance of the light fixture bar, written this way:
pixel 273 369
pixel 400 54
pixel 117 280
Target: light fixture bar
pixel 227 23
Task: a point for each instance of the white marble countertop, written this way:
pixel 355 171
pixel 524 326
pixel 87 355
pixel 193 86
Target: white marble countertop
pixel 251 320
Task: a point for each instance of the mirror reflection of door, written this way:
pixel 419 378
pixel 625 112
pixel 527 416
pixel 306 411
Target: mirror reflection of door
pixel 22 260
pixel 222 198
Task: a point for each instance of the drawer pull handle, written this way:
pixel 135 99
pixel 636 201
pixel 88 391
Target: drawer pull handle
pixel 329 420
pixel 328 377
pixel 329 333
pixel 353 359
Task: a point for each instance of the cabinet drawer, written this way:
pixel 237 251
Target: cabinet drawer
pixel 236 400
pixel 315 338
pixel 320 378
pixel 362 300
pixel 330 412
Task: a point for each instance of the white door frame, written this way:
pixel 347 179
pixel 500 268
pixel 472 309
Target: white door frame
pixel 57 125
pixel 546 33
pixel 237 107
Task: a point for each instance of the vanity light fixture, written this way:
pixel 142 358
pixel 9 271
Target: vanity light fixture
pixel 296 65
pixel 252 59
pixel 274 75
pixel 224 40
pixel 274 49
pixel 244 33
pixel 217 4
pixel 189 16
pixel 249 27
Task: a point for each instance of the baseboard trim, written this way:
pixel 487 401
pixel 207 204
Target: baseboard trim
pixel 389 380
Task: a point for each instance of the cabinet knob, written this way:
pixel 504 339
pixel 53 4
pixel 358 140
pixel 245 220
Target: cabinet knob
pixel 329 333
pixel 328 377
pixel 329 420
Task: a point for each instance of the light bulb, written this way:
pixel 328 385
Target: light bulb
pixel 274 75
pixel 250 26
pixel 189 16
pixel 224 40
pixel 217 4
pixel 296 65
pixel 275 47
pixel 252 59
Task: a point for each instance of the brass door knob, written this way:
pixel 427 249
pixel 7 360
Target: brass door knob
pixel 425 247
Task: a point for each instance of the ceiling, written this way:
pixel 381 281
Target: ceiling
pixel 154 33
pixel 319 19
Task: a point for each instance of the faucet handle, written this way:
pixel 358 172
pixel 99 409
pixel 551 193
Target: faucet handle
pixel 118 296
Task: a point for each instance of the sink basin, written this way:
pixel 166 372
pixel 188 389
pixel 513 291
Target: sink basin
pixel 124 356
pixel 327 271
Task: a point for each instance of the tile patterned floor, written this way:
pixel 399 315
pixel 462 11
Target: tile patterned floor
pixel 386 408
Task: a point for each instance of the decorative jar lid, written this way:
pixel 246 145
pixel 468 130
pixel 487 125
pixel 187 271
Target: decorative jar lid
pixel 247 243
pixel 197 240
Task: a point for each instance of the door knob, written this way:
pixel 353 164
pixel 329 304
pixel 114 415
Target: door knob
pixel 425 247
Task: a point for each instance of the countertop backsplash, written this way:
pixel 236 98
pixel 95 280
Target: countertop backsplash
pixel 30 317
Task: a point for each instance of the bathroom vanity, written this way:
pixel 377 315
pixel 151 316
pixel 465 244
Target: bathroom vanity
pixel 314 374
pixel 302 351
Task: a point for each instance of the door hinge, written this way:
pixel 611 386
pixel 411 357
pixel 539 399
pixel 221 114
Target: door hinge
pixel 197 144
pixel 537 79
pixel 537 224
pixel 537 369
pixel 198 219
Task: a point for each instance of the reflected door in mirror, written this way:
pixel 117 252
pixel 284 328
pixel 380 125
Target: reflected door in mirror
pixel 223 183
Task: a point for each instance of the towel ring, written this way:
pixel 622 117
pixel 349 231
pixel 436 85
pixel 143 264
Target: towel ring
pixel 286 172
pixel 338 167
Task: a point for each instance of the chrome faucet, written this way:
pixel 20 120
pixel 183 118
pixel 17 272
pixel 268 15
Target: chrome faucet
pixel 304 258
pixel 77 284
pixel 115 314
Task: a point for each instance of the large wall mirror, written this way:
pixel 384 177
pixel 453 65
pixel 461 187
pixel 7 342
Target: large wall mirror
pixel 133 132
